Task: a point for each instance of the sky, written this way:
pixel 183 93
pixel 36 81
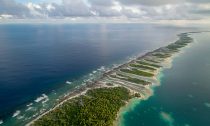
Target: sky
pixel 107 10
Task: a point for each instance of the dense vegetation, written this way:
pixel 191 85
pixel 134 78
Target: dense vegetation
pixel 130 79
pixel 174 47
pixel 148 64
pixel 98 107
pixel 183 41
pixel 153 61
pixel 142 66
pixel 161 55
pixel 137 72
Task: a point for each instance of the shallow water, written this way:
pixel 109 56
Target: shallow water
pixel 183 97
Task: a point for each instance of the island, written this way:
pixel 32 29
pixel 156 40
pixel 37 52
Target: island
pixel 99 101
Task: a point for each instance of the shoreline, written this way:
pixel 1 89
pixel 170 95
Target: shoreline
pixel 148 91
pixel 74 95
pixel 159 73
pixel 132 102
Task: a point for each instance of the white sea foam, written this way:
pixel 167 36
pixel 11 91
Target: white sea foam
pixel 102 68
pixel 1 122
pixel 41 98
pixel 88 80
pixel 16 113
pixel 115 65
pixel 77 87
pixel 68 82
pixel 46 100
pixel 42 110
pixel 36 114
pixel 20 117
pixel 29 104
pixel 94 71
pixel 29 108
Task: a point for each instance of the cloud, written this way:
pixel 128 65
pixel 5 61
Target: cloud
pixel 107 9
pixel 101 2
pixel 10 7
pixel 150 2
pixel 160 2
pixel 171 12
pixel 35 10
pixel 199 1
pixel 74 8
pixel 201 9
pixel 6 16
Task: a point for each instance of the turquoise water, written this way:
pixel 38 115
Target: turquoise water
pixel 183 99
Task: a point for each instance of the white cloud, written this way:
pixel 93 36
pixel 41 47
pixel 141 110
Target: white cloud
pixel 50 7
pixel 116 6
pixel 35 10
pixel 10 7
pixel 130 10
pixel 5 16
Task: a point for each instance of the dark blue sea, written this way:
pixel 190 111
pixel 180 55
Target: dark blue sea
pixel 36 60
pixel 183 98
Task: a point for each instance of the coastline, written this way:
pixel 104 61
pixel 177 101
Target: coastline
pixel 148 91
pixel 62 102
pixel 168 63
pixel 133 102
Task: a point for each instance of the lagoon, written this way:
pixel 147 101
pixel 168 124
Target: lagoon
pixel 183 97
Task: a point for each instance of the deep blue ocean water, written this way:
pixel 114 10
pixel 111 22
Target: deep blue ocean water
pixel 183 99
pixel 40 58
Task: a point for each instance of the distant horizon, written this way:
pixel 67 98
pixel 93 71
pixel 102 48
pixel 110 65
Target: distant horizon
pixel 180 23
pixel 108 11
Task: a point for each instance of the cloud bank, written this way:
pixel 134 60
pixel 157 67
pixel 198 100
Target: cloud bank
pixel 140 10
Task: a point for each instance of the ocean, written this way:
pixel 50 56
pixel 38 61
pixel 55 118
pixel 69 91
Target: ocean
pixel 36 61
pixel 183 98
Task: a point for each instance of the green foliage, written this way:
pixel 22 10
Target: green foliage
pixel 161 55
pixel 135 80
pixel 153 61
pixel 130 79
pixel 182 42
pixel 137 72
pixel 174 47
pixel 137 95
pixel 98 108
pixel 143 67
pixel 148 64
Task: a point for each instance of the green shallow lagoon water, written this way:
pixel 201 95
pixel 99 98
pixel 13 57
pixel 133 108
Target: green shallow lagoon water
pixel 183 99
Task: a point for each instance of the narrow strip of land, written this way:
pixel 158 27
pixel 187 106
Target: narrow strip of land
pixel 102 99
